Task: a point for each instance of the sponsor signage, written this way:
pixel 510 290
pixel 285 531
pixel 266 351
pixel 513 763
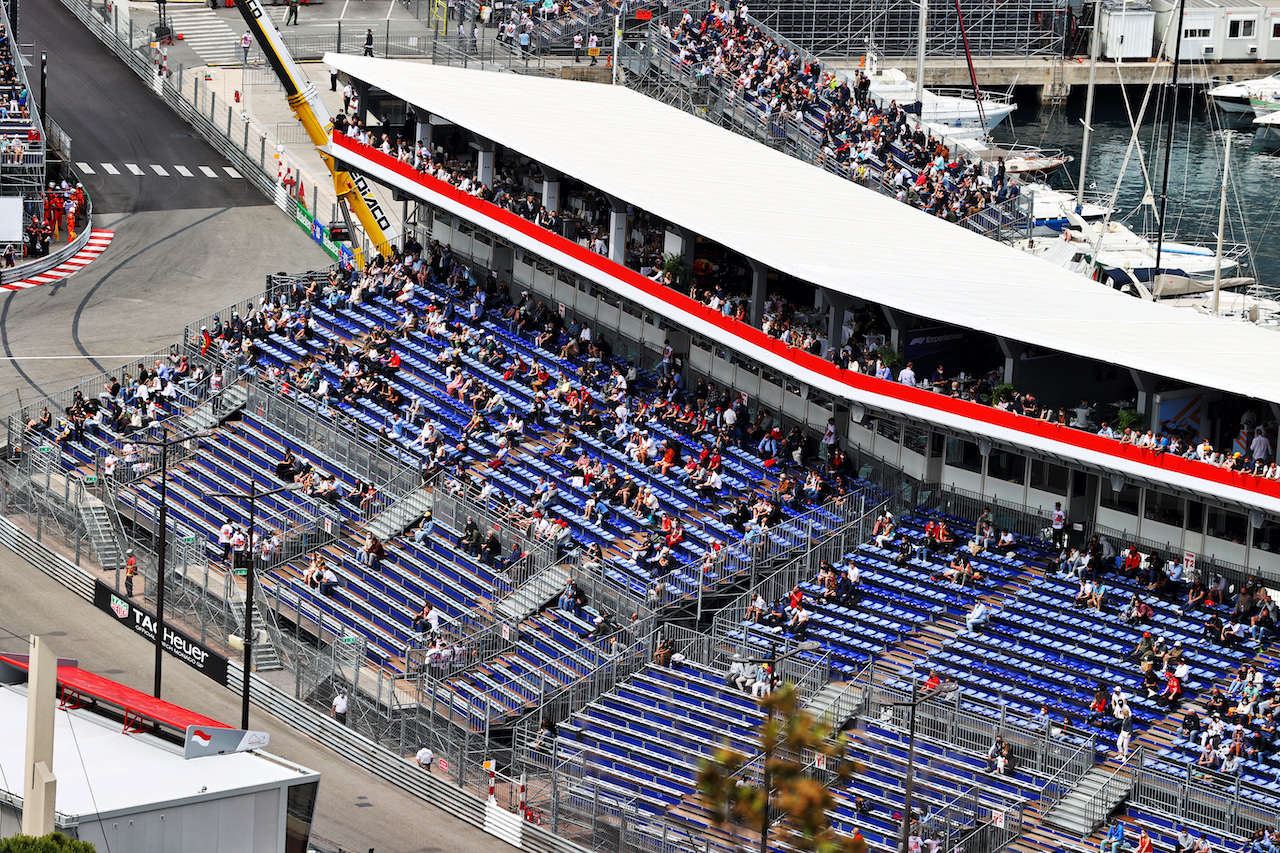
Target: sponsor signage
pixel 205 740
pixel 178 644
pixel 320 234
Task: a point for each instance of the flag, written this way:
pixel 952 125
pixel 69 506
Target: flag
pixel 205 342
pixel 200 737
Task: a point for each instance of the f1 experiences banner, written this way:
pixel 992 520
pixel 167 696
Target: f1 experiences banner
pixel 143 622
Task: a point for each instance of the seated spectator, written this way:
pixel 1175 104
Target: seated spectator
pixel 979 615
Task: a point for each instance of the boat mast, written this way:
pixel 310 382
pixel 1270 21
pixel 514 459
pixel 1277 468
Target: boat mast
pixel 1094 40
pixel 921 27
pixel 1168 140
pixel 1222 223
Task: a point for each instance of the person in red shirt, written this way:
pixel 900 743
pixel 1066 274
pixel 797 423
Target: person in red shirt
pixel 794 599
pixel 932 682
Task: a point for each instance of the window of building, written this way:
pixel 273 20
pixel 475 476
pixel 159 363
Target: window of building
pixel 1267 537
pixel 1048 477
pixel 1166 509
pixel 888 429
pixel 1223 524
pixel 301 808
pixel 1275 29
pixel 1200 33
pixel 1125 500
pixel 1195 516
pixel 915 439
pixel 1241 28
pixel 963 454
pixel 1010 467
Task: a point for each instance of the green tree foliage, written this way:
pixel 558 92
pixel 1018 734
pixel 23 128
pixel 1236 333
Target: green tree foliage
pixel 790 740
pixel 54 842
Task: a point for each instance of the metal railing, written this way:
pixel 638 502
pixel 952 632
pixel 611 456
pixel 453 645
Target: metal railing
pixel 343 441
pixel 1205 798
pixel 1056 751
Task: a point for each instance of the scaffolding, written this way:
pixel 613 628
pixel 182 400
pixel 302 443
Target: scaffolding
pixel 848 29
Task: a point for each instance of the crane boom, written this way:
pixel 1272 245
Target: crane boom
pixel 305 102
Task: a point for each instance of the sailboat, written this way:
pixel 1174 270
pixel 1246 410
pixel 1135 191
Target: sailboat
pixel 1111 253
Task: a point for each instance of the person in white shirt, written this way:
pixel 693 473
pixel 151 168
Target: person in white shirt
pixel 339 709
pixel 907 376
pixel 425 757
pixel 978 615
pixel 225 533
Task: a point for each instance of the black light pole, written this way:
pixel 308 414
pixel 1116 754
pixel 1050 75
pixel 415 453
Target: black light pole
pixel 162 544
pixel 44 82
pixel 253 496
pixel 772 661
pixel 940 692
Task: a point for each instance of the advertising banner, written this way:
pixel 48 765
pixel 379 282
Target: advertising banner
pixel 178 644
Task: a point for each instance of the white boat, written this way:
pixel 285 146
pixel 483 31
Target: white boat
pixel 1267 129
pixel 1234 97
pixel 958 110
pixel 1265 103
pixel 1124 260
pixel 1049 208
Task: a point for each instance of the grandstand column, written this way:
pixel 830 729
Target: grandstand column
pixel 422 128
pixel 486 156
pixel 618 220
pixel 1146 385
pixel 837 304
pixel 897 325
pixel 1013 351
pixel 550 189
pixel 759 290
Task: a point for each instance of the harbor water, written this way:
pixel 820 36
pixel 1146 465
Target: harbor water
pixel 1195 166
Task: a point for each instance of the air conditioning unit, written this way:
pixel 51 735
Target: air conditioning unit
pixel 1207 50
pixel 1253 50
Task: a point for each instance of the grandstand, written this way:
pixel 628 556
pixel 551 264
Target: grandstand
pixel 536 513
pixel 632 732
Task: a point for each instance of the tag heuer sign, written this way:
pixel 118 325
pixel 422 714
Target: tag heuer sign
pixel 119 607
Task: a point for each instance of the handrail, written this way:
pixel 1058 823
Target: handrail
pixel 1065 779
pixel 1098 805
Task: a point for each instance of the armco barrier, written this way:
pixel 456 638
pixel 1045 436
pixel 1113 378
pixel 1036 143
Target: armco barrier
pixel 54 565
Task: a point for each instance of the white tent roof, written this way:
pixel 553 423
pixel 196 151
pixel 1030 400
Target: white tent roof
pixel 823 229
pixel 101 771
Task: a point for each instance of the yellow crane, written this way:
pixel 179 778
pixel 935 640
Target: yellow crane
pixel 353 191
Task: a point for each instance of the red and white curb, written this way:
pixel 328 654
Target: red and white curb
pixel 99 239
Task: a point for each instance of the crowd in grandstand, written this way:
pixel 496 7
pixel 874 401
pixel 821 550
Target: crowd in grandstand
pixel 726 291
pixel 856 137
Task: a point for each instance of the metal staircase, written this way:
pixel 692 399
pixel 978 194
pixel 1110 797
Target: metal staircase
pixel 397 517
pixel 529 597
pixel 102 534
pixel 265 656
pixel 216 409
pixel 1094 797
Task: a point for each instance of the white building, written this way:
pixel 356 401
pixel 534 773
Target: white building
pixel 1221 30
pixel 135 793
pixel 1128 29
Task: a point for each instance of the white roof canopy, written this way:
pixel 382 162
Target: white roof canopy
pixel 102 771
pixel 823 229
